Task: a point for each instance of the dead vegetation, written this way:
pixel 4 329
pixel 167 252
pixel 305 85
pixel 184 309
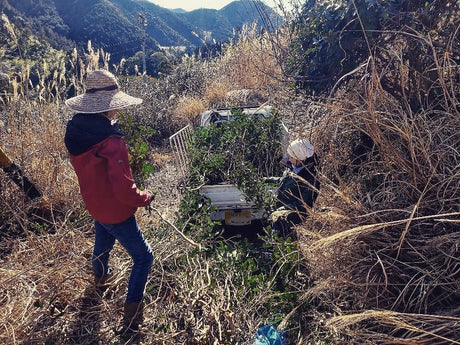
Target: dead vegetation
pixel 384 251
pixel 381 245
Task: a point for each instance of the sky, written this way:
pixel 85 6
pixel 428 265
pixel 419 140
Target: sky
pixel 189 5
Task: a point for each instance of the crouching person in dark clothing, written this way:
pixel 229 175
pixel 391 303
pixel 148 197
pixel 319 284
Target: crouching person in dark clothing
pixel 99 156
pixel 298 188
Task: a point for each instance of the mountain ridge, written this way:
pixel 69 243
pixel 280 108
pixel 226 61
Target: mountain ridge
pixel 121 26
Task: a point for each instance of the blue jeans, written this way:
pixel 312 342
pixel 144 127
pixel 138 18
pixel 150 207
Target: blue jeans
pixel 131 238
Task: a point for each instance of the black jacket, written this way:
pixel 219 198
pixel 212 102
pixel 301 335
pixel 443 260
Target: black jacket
pixel 294 193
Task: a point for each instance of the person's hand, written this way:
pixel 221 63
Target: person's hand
pixel 153 194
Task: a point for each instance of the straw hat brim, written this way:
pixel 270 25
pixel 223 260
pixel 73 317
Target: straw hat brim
pixel 101 102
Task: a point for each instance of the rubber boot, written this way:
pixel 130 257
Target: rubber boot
pixel 133 316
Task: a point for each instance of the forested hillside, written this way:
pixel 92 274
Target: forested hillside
pixel 118 27
pixel 374 85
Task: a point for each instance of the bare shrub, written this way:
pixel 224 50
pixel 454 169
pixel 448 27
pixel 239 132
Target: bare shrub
pixel 188 110
pixel 216 91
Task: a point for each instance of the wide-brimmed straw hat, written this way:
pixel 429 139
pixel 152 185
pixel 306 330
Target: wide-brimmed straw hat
pixel 300 149
pixel 102 94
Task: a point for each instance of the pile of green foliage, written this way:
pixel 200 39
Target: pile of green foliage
pixel 242 151
pixel 266 273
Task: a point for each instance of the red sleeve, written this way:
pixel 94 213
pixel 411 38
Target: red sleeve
pixel 119 172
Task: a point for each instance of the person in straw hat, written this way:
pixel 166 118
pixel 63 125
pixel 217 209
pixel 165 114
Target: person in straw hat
pixel 99 156
pixel 298 188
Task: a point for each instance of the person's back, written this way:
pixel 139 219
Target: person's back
pixel 295 190
pixel 99 156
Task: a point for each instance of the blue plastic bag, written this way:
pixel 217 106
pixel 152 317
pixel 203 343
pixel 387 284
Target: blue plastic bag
pixel 269 335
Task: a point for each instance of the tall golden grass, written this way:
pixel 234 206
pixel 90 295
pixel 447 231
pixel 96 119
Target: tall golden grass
pixel 384 251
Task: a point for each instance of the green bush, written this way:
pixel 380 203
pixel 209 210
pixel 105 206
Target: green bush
pixel 337 39
pixel 265 274
pixel 241 151
pixel 137 138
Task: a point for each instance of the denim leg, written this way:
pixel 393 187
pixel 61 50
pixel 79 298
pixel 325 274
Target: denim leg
pixel 131 238
pixel 103 244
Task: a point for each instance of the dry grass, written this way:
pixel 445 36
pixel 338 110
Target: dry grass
pixel 402 328
pixel 48 295
pixel 217 90
pixel 188 110
pixel 382 245
pixel 250 64
pixel 34 140
pixel 45 277
pixel 47 291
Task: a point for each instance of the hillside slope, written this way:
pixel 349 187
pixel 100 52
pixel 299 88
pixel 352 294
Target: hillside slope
pixel 115 25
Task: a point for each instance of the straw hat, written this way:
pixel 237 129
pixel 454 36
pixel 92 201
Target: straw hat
pixel 300 149
pixel 102 94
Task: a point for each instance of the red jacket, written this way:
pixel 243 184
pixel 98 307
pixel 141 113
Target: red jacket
pixel 106 182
